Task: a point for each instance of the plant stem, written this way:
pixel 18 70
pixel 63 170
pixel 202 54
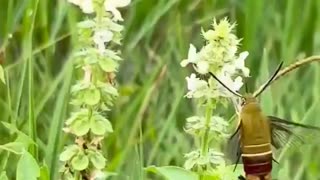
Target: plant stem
pixel 99 12
pixel 31 119
pixel 205 138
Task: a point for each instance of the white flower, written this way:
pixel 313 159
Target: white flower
pixel 195 83
pixel 85 5
pixel 202 67
pixel 100 37
pixel 216 157
pixel 112 5
pixel 196 159
pixel 237 83
pixel 195 124
pixel 109 5
pixel 197 87
pixel 239 63
pixel 192 56
pixel 229 69
pixel 192 159
pixel 234 85
pixel 219 126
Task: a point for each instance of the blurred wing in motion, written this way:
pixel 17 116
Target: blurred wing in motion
pixel 282 131
pixel 233 149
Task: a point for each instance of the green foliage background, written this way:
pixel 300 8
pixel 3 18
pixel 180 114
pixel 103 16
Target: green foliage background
pixel 149 115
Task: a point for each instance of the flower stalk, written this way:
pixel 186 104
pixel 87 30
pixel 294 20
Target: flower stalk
pixel 97 60
pixel 205 141
pixel 219 56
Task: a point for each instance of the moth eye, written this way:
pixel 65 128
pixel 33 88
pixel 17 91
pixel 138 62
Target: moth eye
pixel 243 102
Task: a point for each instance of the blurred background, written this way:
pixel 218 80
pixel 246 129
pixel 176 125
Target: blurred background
pixel 149 116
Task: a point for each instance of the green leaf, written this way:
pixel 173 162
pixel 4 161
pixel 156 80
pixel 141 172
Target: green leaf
pixel 68 176
pixel 71 119
pixel 27 168
pixel 14 147
pixel 80 85
pixel 91 96
pixel 226 172
pixel 80 162
pixel 97 160
pixel 44 173
pixel 108 65
pixel 69 152
pixel 80 127
pixel 107 88
pixel 3 176
pixel 100 125
pixel 22 137
pixel 24 140
pixel 2 75
pixel 211 177
pixel 189 163
pixel 80 114
pixel 173 172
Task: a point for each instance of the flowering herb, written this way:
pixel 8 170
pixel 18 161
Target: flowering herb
pixel 219 56
pixel 97 61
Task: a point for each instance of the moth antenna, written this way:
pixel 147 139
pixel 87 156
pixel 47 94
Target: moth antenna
pixel 293 67
pixel 269 81
pixel 225 86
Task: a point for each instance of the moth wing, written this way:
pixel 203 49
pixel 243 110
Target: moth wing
pixel 284 133
pixel 233 147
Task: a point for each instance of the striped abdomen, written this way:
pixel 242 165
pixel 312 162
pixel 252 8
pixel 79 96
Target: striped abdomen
pixel 255 142
pixel 257 163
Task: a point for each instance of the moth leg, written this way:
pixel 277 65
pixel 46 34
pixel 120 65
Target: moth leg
pixel 238 159
pixel 273 159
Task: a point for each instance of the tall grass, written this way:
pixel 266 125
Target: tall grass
pixel 149 115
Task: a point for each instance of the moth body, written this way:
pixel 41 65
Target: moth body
pixel 255 139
